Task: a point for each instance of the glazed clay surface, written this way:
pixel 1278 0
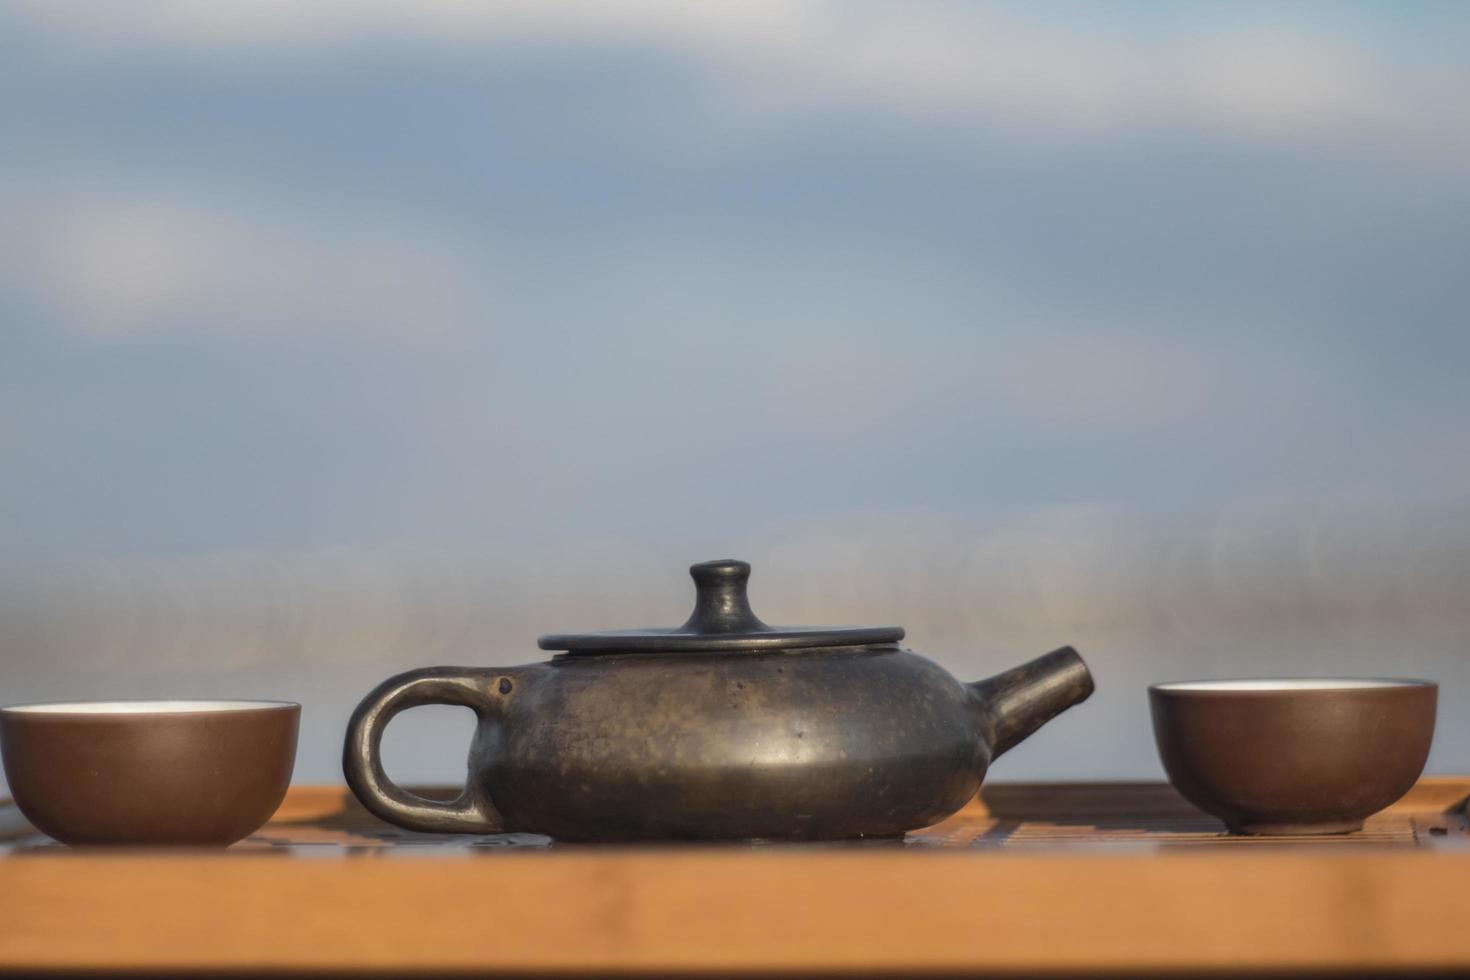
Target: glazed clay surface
pixel 1294 757
pixel 846 742
pixel 156 774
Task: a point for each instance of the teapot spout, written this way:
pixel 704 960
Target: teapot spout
pixel 1014 704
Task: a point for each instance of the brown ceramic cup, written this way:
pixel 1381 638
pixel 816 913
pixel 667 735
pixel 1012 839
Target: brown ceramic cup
pixel 204 773
pixel 1293 756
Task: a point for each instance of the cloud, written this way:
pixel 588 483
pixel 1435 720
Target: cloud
pixel 1327 567
pixel 276 23
pixel 1255 77
pixel 1324 588
pixel 126 263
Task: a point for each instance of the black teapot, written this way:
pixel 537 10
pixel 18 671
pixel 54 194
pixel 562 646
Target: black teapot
pixel 723 727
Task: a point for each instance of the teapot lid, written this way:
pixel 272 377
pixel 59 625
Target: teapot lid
pixel 722 620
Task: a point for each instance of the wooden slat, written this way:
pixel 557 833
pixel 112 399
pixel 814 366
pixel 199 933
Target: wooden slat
pixel 1036 801
pixel 1031 877
pixel 707 910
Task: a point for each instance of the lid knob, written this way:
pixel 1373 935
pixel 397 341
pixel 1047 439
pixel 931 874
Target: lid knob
pixel 720 602
pixel 721 621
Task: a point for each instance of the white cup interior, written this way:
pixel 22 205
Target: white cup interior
pixel 1291 684
pixel 144 707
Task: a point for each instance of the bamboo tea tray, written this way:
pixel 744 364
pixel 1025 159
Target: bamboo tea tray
pixel 1080 877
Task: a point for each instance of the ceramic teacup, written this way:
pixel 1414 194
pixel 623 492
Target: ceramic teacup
pixel 1293 756
pixel 204 773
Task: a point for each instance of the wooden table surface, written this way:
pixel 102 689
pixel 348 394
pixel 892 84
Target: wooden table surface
pixel 1120 877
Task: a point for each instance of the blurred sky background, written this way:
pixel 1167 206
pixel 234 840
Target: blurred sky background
pixel 346 337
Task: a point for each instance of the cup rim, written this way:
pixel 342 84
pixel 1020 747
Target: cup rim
pixel 1288 685
pixel 144 707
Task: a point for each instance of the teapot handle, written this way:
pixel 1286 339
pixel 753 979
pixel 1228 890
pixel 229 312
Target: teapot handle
pixel 481 690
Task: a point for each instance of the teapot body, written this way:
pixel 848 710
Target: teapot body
pixel 823 743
